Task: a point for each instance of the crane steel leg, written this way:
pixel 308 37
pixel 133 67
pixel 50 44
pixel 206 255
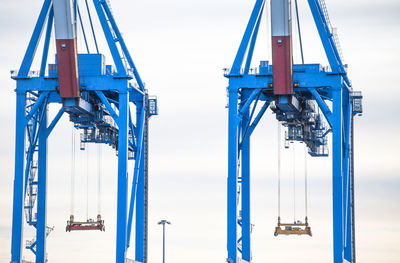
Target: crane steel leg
pixel 232 175
pixel 17 225
pixel 246 224
pixel 139 235
pixel 146 184
pixel 122 202
pixel 346 177
pixel 139 248
pixel 42 187
pixel 353 230
pixel 337 183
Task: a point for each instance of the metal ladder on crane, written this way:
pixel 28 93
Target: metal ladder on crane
pixel 31 185
pixel 333 31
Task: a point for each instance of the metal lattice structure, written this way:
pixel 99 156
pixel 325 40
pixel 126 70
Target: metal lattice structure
pixel 304 109
pixel 100 109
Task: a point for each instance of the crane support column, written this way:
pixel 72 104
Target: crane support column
pixel 347 112
pixel 146 183
pixel 139 249
pixel 42 187
pixel 140 213
pixel 337 178
pixel 122 201
pixel 232 174
pixel 18 204
pixel 245 179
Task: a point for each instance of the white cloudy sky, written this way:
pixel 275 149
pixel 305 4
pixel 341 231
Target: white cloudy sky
pixel 180 48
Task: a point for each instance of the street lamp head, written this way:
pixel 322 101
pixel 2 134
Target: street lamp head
pixel 163 222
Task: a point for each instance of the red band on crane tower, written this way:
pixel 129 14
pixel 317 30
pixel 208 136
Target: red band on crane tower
pixel 282 58
pixel 68 75
pixel 67 52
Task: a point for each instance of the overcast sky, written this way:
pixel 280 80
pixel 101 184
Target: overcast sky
pixel 180 48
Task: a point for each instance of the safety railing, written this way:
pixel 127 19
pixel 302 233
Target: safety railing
pixel 333 30
pixel 252 71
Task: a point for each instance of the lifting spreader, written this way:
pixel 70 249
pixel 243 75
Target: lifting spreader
pixel 297 228
pixel 90 224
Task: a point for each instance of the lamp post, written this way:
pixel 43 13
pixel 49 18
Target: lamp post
pixel 163 222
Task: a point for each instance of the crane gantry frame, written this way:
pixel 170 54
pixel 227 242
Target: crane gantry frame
pixel 312 84
pixel 102 112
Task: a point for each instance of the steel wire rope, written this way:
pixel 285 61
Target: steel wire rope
pixel 99 166
pixel 294 183
pixel 305 180
pixel 91 26
pixel 87 182
pixel 82 28
pixel 268 24
pixel 299 31
pixel 279 169
pixel 72 170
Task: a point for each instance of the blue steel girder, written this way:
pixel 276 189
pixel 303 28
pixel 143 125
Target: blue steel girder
pixel 46 43
pixel 252 125
pixel 249 35
pixel 244 148
pixel 304 76
pixel 232 184
pixel 327 37
pixel 138 166
pixel 246 120
pixel 347 232
pixel 312 82
pixel 110 38
pixel 118 38
pixel 34 41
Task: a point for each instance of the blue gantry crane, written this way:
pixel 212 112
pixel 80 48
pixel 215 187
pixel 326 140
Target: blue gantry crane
pixel 310 101
pixel 108 104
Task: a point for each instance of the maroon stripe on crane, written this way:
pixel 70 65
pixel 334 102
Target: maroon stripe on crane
pixel 282 54
pixel 67 52
pixel 68 75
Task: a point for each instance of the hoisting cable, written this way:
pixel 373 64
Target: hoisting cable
pixel 297 227
pixel 87 182
pixel 91 25
pixel 305 179
pixel 83 29
pixel 89 224
pixel 99 157
pixel 294 183
pixel 299 31
pixel 72 170
pixel 267 14
pixel 279 169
